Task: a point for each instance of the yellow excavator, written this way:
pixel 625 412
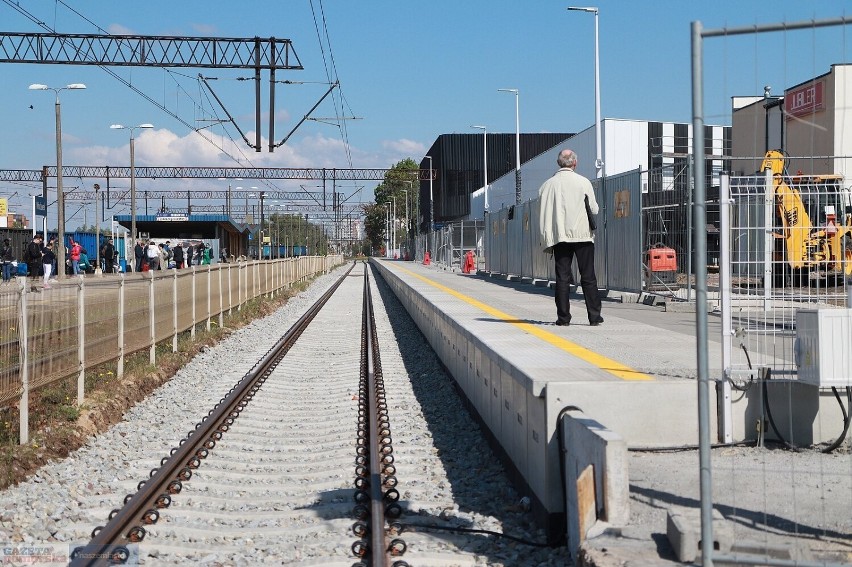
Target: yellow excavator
pixel 816 221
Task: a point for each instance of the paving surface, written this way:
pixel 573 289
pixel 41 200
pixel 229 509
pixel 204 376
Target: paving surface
pixel 774 503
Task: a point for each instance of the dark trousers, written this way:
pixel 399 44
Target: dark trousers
pixel 563 254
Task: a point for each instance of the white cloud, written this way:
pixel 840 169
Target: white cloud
pixel 162 147
pixel 206 29
pixel 405 147
pixel 118 29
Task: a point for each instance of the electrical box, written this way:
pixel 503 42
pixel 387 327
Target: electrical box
pixel 823 348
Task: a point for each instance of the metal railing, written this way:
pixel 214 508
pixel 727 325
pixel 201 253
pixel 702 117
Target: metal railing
pixel 86 321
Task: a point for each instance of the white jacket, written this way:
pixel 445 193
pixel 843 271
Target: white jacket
pixel 562 217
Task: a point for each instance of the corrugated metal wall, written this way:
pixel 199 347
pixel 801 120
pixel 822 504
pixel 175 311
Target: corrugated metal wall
pixel 458 159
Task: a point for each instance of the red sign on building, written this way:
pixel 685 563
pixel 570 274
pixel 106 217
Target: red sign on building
pixel 806 99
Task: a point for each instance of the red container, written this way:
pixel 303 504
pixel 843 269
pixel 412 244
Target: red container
pixel 662 259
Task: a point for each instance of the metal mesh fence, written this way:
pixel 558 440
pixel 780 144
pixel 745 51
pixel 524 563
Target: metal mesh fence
pixel 73 325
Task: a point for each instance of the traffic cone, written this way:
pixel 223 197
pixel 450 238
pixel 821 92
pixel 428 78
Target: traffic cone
pixel 427 259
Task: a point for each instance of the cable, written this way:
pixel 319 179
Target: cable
pixel 681 448
pixel 846 419
pixel 427 527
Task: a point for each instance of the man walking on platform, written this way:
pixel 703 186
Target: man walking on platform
pixel 567 202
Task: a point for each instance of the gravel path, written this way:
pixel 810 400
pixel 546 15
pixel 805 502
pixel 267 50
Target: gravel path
pixel 448 476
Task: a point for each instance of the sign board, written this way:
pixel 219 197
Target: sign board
pixel 266 240
pixel 172 217
pixel 41 206
pixel 4 206
pixel 803 100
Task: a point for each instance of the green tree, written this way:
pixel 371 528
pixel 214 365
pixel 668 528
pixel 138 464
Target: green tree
pixel 399 186
pixel 374 224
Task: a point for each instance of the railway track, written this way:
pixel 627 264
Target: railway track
pixel 280 471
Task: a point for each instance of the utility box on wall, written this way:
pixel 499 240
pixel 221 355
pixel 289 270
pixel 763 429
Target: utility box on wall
pixel 824 347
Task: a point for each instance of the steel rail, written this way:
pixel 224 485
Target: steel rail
pixel 377 507
pixel 376 494
pixel 125 526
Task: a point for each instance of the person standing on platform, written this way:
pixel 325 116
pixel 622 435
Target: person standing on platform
pixel 48 260
pixel 32 256
pixel 138 255
pixel 177 254
pixel 108 254
pixel 564 223
pixel 7 256
pixel 152 255
pixel 74 254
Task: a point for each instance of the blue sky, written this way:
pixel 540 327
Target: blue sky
pixel 408 72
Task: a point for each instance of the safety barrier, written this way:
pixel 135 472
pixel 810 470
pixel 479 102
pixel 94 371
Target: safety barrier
pixel 54 333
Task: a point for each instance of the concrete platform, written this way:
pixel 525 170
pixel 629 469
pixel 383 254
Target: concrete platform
pixel 519 370
pixel 634 377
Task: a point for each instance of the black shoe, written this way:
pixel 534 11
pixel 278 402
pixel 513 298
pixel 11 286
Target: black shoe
pixel 562 323
pixel 597 322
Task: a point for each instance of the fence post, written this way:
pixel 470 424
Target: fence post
pixel 120 370
pixel 81 340
pixel 23 341
pixel 768 237
pixel 230 299
pixel 152 357
pixel 221 299
pixel 723 387
pixel 239 287
pixel 209 287
pixel 192 331
pixel 175 310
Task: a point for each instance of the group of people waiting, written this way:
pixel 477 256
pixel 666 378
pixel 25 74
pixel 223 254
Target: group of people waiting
pixel 41 258
pixel 152 256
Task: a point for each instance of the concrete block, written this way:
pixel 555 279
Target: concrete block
pixel 683 528
pixel 592 449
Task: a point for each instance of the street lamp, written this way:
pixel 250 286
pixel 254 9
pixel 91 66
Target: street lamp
pixel 407 227
pixel 484 162
pixel 390 214
pixel 431 198
pixel 60 196
pixel 599 164
pixel 250 219
pixel 132 129
pixel 260 239
pixel 517 144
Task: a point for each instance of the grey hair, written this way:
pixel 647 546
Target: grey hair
pixel 567 158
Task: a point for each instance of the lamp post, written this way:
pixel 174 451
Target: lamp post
pixel 98 270
pixel 431 198
pixel 60 196
pixel 260 239
pixel 132 129
pixel 599 163
pixel 484 163
pixel 407 228
pixel 249 218
pixel 517 144
pixel 388 228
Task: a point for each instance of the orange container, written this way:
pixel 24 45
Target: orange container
pixel 662 259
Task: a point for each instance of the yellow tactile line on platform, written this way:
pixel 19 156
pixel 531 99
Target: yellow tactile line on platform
pixel 606 364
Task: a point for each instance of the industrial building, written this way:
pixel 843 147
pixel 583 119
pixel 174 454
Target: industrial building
pixel 458 161
pixel 809 123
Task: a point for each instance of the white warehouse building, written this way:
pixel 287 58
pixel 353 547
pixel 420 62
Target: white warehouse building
pixel 626 145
